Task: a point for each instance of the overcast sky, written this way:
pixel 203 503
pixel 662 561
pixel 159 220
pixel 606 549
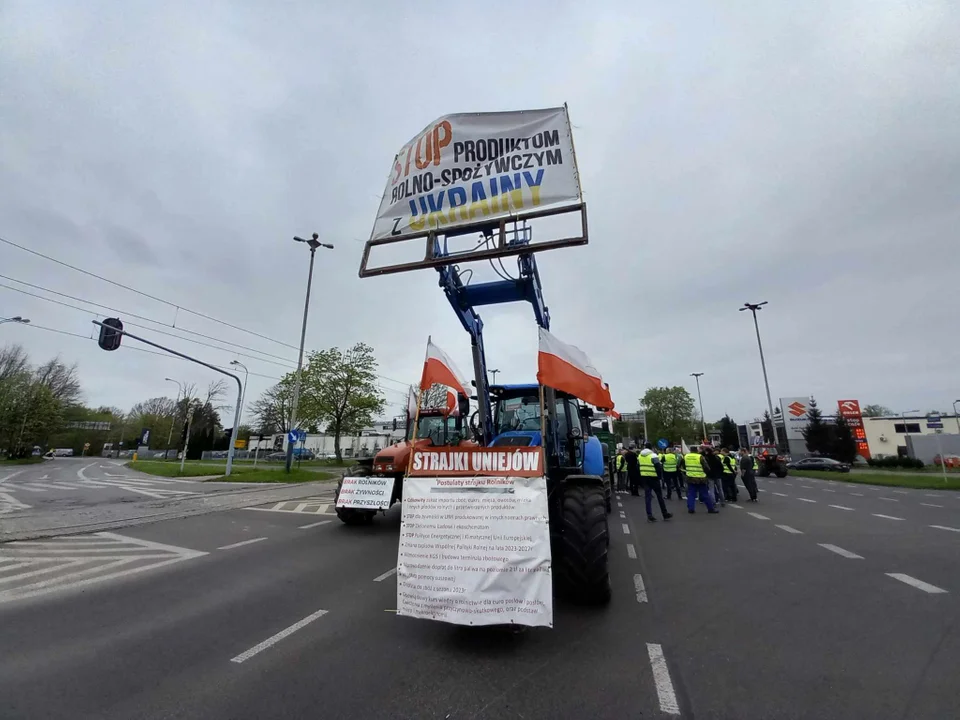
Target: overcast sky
pixel 807 154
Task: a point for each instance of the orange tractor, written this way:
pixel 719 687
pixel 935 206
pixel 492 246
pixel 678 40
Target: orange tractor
pixel 435 428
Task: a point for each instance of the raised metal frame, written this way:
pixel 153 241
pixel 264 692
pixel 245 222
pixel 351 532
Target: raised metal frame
pixel 501 246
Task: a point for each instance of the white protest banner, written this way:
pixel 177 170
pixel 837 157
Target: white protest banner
pixel 475 166
pixel 475 551
pixel 365 493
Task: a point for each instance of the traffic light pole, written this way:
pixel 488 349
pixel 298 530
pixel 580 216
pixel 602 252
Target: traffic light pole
pixel 236 416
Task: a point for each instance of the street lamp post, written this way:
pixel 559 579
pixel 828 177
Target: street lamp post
pixel 314 243
pixel 17 319
pixel 903 416
pixel 753 307
pixel 703 422
pixel 246 377
pixel 174 419
pixel 494 373
pixel 955 416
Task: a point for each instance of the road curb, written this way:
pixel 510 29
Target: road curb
pixel 133 514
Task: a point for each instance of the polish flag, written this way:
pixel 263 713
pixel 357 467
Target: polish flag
pixel 439 369
pixel 453 408
pixel 567 368
pixel 613 414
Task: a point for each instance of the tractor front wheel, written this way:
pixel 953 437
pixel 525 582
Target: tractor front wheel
pixel 582 568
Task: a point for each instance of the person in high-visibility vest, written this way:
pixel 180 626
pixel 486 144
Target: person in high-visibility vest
pixel 621 471
pixel 650 477
pixel 670 464
pixel 729 479
pixel 697 482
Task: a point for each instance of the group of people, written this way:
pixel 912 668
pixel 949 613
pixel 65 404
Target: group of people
pixel 708 475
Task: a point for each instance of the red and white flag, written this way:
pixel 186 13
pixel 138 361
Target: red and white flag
pixel 567 368
pixel 439 369
pixel 453 408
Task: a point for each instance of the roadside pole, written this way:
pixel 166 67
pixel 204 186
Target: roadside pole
pixel 115 327
pixel 935 423
pixel 943 461
pixel 186 442
pixel 313 243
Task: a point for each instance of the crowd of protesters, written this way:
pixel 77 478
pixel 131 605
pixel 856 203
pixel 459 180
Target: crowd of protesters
pixel 702 473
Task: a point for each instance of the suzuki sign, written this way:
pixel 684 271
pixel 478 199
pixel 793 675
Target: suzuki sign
pixel 795 417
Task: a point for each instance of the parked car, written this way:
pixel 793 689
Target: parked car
pixel 298 454
pixel 820 463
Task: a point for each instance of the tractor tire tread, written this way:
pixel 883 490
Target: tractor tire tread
pixel 583 567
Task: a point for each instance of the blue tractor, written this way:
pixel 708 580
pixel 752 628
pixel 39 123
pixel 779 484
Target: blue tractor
pixel 510 416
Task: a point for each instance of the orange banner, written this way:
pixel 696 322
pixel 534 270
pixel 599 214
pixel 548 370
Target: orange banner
pixel 470 462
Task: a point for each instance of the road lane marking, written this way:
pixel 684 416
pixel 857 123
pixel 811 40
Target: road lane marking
pixel 626 529
pixel 758 516
pixel 888 499
pixel 16 488
pixel 274 639
pixel 789 529
pixel 389 573
pixel 738 507
pixel 931 505
pixel 840 551
pixel 945 527
pixel 919 584
pixel 631 551
pixel 313 525
pixel 807 487
pixel 789 484
pixel 840 507
pixel 931 495
pixel 828 490
pixel 806 500
pixel 857 494
pixel 781 494
pixel 661 677
pixel 623 515
pixel 900 492
pixel 886 517
pixel 9 504
pixel 241 543
pixel 639 587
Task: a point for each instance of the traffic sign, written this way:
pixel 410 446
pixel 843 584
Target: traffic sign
pixel 662 443
pixel 297 435
pixel 932 425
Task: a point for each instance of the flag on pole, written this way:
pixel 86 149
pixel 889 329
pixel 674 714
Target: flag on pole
pixel 439 369
pixel 411 402
pixel 613 414
pixel 453 408
pixel 684 448
pixel 567 368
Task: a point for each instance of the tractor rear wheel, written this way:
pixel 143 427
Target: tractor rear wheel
pixel 352 516
pixel 582 566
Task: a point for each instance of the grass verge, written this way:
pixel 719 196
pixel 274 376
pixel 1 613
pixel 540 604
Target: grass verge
pixel 920 482
pixel 271 476
pixel 33 460
pixel 239 473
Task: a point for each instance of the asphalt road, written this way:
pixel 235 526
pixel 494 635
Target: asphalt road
pixel 821 601
pixel 63 483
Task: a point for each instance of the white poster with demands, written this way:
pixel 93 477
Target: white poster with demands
pixel 366 493
pixel 472 167
pixel 475 549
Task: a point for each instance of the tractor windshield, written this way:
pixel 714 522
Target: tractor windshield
pixel 523 413
pixel 436 427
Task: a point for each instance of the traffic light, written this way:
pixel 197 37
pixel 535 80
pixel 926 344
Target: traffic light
pixel 110 334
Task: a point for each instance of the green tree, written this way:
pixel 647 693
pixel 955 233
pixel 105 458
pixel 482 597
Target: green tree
pixel 271 411
pixel 671 413
pixel 844 445
pixel 876 411
pixel 339 391
pixel 817 434
pixel 729 435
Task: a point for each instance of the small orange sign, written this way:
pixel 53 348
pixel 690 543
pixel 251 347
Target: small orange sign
pixel 471 462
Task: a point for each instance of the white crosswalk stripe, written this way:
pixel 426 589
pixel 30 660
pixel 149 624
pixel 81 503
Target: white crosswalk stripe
pixel 34 567
pixel 9 504
pixel 311 506
pixel 156 488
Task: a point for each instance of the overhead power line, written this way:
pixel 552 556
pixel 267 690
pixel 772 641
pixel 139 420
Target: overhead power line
pixel 287 363
pixel 147 295
pixel 127 313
